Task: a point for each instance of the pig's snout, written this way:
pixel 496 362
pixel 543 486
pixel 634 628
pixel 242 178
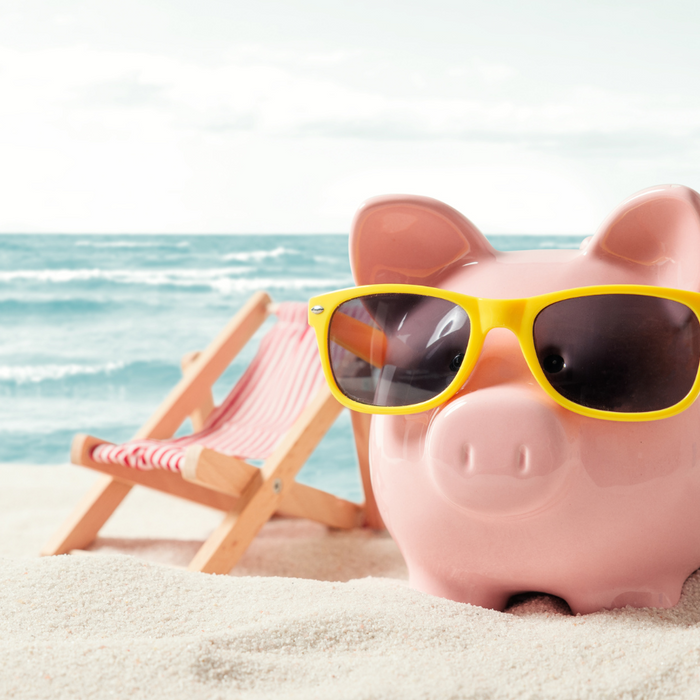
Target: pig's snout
pixel 498 451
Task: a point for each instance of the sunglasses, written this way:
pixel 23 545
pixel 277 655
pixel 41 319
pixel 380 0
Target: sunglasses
pixel 617 352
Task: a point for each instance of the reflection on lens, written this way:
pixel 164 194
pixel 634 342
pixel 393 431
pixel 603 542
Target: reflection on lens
pixel 619 352
pixel 396 349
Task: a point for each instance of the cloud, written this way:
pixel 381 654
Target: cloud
pixel 127 91
pixel 280 93
pixel 124 140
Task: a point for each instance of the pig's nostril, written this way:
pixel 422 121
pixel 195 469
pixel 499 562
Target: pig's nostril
pixel 523 459
pixel 468 458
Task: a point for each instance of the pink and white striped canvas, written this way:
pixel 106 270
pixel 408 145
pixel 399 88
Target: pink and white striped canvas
pixel 272 392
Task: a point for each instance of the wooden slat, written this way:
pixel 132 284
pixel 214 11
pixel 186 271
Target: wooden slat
pixel 360 426
pixel 217 471
pixel 206 369
pixel 263 496
pixel 232 475
pixel 83 524
pixel 302 501
pixel 164 481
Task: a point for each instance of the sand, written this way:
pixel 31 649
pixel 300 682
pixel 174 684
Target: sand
pixel 307 614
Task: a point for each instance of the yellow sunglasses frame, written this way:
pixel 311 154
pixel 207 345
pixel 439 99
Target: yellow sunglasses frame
pixel 517 315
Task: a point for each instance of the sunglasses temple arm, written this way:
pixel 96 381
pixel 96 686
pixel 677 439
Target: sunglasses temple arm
pixel 364 341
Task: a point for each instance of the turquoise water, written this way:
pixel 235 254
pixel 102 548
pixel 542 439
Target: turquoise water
pixel 93 328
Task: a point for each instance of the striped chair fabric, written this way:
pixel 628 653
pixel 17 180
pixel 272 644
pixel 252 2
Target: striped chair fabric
pixel 270 395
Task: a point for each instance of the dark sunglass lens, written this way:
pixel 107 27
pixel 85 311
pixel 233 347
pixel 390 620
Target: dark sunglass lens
pixel 397 349
pixel 619 352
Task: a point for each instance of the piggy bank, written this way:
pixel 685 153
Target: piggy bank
pixel 501 489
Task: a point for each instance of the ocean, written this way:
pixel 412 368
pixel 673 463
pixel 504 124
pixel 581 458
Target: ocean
pixel 94 327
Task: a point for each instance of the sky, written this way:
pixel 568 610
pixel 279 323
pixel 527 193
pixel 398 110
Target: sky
pixel 270 116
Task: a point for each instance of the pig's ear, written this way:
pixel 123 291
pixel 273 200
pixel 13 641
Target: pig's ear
pixel 656 235
pixel 411 239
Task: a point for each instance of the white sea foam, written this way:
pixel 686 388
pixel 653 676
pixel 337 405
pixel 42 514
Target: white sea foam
pixel 119 244
pixel 129 244
pixel 26 374
pixel 257 255
pixel 228 285
pixel 176 276
pixel 225 279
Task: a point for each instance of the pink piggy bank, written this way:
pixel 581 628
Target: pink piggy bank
pixel 501 489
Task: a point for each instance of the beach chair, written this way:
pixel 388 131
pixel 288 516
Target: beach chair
pixel 278 411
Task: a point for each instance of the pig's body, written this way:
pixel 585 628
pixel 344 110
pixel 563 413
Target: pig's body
pixel 501 490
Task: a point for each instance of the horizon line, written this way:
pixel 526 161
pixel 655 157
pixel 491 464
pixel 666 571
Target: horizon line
pixel 234 233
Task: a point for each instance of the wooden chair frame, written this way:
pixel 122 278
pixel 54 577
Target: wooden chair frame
pixel 248 495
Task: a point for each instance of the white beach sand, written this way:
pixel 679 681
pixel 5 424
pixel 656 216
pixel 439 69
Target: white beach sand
pixel 307 614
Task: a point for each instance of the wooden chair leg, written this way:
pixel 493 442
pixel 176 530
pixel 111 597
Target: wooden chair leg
pixel 263 495
pixel 226 545
pixel 360 427
pixel 85 521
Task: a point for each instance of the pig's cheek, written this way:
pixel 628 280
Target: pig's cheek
pixel 397 446
pixel 623 454
pixel 400 439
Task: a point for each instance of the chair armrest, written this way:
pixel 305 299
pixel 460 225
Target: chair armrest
pixel 206 369
pixel 217 471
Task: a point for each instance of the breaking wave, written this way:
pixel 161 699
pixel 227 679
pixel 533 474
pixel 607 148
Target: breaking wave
pixel 258 255
pixel 226 279
pixel 131 244
pixel 33 374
